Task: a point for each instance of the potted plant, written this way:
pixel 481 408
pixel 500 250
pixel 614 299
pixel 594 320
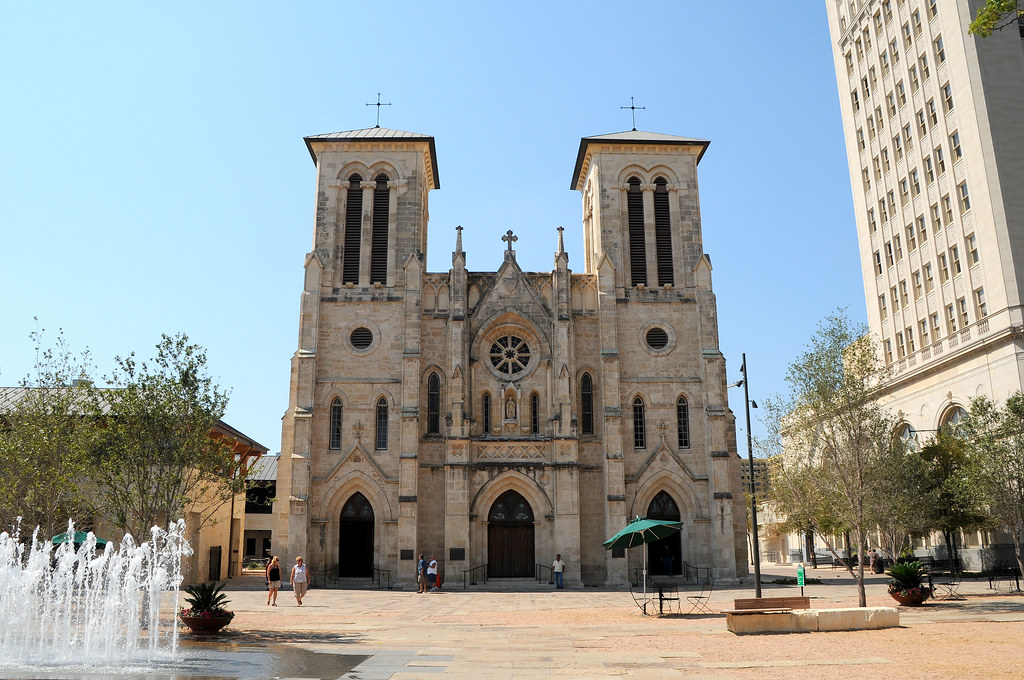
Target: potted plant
pixel 907 585
pixel 206 612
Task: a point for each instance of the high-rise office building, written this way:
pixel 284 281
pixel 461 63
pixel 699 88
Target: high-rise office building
pixel 934 124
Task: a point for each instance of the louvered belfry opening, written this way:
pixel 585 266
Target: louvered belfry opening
pixel 433 404
pixel 663 233
pixel 379 242
pixel 353 229
pixel 637 242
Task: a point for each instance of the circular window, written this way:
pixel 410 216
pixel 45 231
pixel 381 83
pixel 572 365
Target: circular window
pixel 510 355
pixel 657 338
pixel 361 337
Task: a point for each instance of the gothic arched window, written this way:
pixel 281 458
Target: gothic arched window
pixel 382 424
pixel 637 239
pixel 379 237
pixel 683 422
pixel 353 230
pixel 336 413
pixel 639 424
pixel 485 408
pixel 534 414
pixel 433 404
pixel 663 233
pixel 587 404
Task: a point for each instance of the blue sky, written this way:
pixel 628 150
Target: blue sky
pixel 153 177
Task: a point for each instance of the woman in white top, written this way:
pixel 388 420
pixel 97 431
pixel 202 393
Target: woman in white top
pixel 300 578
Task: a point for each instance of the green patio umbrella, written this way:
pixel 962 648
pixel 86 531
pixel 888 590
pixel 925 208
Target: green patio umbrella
pixel 78 539
pixel 640 532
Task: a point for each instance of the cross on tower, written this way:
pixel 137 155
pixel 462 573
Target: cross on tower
pixel 379 104
pixel 510 239
pixel 633 109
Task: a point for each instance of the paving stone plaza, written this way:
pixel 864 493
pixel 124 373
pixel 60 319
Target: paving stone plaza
pixel 597 633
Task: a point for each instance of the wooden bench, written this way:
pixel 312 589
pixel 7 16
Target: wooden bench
pixel 768 605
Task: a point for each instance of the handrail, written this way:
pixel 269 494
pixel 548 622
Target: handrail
pixel 378 577
pixel 539 570
pixel 469 576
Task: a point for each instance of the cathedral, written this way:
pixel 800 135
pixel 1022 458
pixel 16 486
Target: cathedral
pixel 496 419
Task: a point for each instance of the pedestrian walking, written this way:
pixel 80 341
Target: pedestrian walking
pixel 273 580
pixel 300 577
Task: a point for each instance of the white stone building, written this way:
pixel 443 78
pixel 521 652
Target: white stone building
pixel 499 418
pixel 934 126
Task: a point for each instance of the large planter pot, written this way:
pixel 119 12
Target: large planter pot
pixel 205 625
pixel 910 599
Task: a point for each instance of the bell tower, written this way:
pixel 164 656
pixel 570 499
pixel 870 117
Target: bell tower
pixel 641 207
pixel 371 204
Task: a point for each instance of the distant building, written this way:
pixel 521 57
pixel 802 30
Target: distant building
pixel 260 502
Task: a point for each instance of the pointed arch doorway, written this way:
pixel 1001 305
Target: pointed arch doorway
pixel 510 547
pixel 355 538
pixel 665 556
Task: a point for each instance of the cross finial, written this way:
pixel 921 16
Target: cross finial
pixel 458 239
pixel 510 239
pixel 379 104
pixel 633 109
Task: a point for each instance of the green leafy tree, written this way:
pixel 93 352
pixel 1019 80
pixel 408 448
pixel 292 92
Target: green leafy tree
pixel 995 440
pixel 47 428
pixel 995 15
pixel 900 483
pixel 955 499
pixel 157 457
pixel 833 434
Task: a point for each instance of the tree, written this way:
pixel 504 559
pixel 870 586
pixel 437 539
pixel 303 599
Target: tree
pixel 955 502
pixel 900 479
pixel 995 15
pixel 996 445
pixel 834 435
pixel 157 456
pixel 46 432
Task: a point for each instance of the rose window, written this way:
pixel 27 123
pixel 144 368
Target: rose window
pixel 510 355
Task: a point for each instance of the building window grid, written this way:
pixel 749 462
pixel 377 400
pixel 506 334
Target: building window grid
pixel 961 305
pixel 908 333
pixel 965 199
pixel 922 61
pixel 954 260
pixel 947 98
pixel 639 424
pixel 587 404
pixel 943 268
pixel 883 308
pixel 929 279
pixel 980 308
pixel 433 404
pixel 382 424
pixel 911 237
pixel 973 256
pixel 682 423
pixel 918 285
pixel 922 231
pixel 940 50
pixel 923 325
pixel 940 161
pixel 954 146
pixel 336 424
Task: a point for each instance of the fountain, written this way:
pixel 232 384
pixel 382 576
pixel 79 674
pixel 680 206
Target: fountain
pixel 76 606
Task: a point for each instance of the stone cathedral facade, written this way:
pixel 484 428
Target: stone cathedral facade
pixel 499 418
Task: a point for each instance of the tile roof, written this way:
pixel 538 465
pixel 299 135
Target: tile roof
pixel 374 134
pixel 632 137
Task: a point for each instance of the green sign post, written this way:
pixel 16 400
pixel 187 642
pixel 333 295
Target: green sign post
pixel 800 577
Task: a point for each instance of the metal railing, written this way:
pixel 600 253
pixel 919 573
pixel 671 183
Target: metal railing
pixel 470 576
pixel 379 577
pixel 540 570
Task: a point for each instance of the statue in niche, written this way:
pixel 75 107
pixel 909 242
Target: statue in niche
pixel 510 408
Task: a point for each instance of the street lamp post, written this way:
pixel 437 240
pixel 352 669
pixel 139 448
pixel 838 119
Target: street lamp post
pixel 750 461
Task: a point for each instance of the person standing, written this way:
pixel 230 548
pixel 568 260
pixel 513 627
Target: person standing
pixel 421 574
pixel 558 567
pixel 432 573
pixel 300 577
pixel 273 580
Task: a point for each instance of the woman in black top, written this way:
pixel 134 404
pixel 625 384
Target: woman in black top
pixel 273 580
